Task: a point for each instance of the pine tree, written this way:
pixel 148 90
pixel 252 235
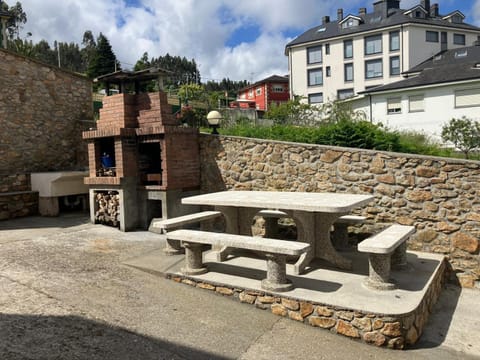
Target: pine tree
pixel 104 60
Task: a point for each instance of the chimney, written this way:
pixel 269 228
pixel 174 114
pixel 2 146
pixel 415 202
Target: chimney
pixel 362 11
pixel 382 7
pixel 426 5
pixel 325 20
pixel 340 14
pixel 434 11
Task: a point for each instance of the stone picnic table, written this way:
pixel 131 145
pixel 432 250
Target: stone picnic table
pixel 313 213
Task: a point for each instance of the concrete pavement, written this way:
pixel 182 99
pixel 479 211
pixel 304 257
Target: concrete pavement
pixel 66 293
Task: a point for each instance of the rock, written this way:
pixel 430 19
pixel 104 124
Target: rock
pixel 280 310
pixel 392 329
pixel 224 291
pixel 465 242
pixel 294 315
pixel 323 322
pixel 364 324
pixel 246 298
pixel 419 196
pixel 306 309
pixel 291 304
pixel 345 315
pixel 347 329
pixel 375 338
pixel 205 286
pixel 324 311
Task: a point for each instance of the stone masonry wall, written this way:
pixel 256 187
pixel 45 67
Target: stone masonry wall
pixel 42 114
pixel 439 196
pixel 392 331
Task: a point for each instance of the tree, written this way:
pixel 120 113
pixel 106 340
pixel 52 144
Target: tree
pixel 464 133
pixel 287 112
pixel 104 60
pixel 191 92
pixel 89 48
pixel 17 18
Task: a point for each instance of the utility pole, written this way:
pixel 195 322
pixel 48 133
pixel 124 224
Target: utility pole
pixel 58 53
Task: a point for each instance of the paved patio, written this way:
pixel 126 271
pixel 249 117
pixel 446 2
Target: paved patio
pixel 69 291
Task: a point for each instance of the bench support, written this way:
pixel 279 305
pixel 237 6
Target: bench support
pixel 379 272
pixel 276 274
pixel 173 247
pixel 193 259
pixel 399 257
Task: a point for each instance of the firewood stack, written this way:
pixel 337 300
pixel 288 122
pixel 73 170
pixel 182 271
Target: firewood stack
pixel 108 208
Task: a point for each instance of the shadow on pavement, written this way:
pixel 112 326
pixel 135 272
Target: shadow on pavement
pixel 35 222
pixel 72 337
pixel 440 319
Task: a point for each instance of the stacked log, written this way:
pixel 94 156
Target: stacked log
pixel 108 208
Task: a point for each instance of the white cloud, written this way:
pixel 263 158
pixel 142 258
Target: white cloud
pixel 196 29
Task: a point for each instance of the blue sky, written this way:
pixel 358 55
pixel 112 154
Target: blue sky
pixel 227 38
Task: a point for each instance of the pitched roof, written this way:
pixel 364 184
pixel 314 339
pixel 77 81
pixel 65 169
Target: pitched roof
pixel 270 79
pixel 445 67
pixel 372 21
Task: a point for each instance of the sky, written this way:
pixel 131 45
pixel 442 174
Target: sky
pixel 235 39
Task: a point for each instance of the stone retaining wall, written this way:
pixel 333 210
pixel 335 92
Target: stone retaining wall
pixel 42 109
pixel 439 196
pixel 392 331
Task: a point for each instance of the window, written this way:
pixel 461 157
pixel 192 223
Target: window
pixel 327 49
pixel 350 23
pixel 394 41
pixel 373 44
pixel 431 36
pixel 459 39
pixel 416 103
pixel 278 88
pixel 250 93
pixel 328 71
pixel 373 69
pixel 344 94
pixel 259 91
pixel 394 65
pixel 348 49
pixel 348 72
pixel 394 105
pixel 314 55
pixel 315 77
pixel 315 98
pixel 457 19
pixel 467 98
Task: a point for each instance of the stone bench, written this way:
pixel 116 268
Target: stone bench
pixel 340 230
pixel 385 249
pixel 276 252
pixel 163 226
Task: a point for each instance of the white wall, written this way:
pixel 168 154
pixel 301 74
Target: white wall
pixel 415 50
pixel 439 109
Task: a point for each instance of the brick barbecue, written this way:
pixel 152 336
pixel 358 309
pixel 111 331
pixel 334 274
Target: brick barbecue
pixel 140 156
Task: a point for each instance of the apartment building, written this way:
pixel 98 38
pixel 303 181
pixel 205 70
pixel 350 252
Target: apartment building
pixel 338 59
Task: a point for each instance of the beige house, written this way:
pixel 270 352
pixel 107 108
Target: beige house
pixel 339 59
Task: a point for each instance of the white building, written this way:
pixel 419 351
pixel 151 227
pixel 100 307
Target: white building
pixel 339 59
pixel 445 86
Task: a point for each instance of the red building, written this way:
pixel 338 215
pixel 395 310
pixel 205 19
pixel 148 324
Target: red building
pixel 263 93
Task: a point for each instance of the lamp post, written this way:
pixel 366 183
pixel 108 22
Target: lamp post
pixel 213 119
